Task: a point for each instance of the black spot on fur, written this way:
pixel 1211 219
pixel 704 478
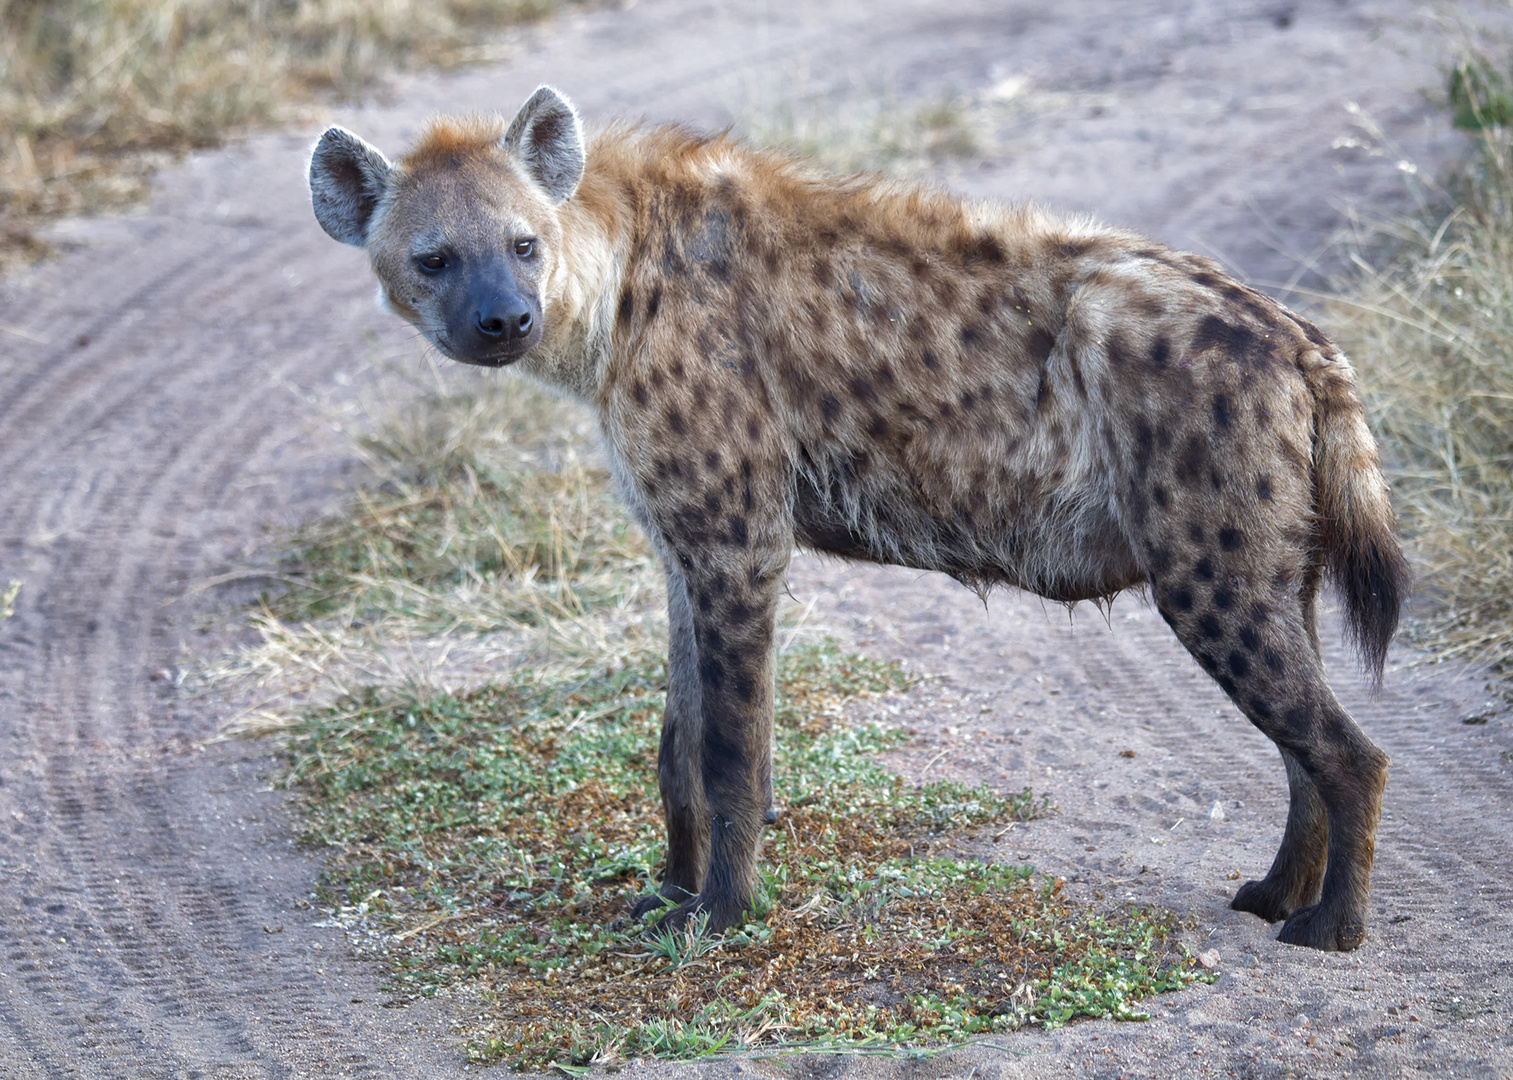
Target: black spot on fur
pixel 862 390
pixel 639 392
pixel 706 602
pixel 1215 332
pixel 971 337
pixel 1161 352
pixel 878 428
pixel 1227 684
pixel 712 672
pixel 1260 707
pixel 1263 488
pixel 654 302
pixel 738 534
pixel 928 359
pixel 983 249
pixel 1249 638
pixel 745 688
pixel 1159 559
pixel 1274 662
pixel 627 307
pixel 1040 344
pixel 1230 539
pixel 712 461
pixel 1224 599
pixel 1210 628
pixel 1159 493
pixel 1299 720
pixel 1239 664
pixel 1195 534
pixel 1204 570
pixel 1222 414
pixel 1193 459
pixel 1182 599
pixel 830 408
pixel 1145 440
pixel 675 422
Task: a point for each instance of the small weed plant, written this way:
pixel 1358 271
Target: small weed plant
pixel 491 842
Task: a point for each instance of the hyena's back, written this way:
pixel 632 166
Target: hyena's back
pixel 1000 395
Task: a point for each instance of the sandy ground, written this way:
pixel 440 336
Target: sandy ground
pixel 156 422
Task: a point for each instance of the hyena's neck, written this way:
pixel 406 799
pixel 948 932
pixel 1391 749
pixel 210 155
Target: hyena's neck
pixel 598 233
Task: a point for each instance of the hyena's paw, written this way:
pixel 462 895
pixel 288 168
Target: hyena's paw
pixel 666 896
pixel 716 917
pixel 1267 898
pixel 1315 928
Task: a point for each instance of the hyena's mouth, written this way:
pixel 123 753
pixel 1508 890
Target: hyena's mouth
pixel 502 358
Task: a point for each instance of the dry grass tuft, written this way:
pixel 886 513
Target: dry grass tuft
pixel 96 94
pixel 1431 328
pixel 486 536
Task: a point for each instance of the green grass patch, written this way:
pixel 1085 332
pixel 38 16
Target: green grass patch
pixel 490 842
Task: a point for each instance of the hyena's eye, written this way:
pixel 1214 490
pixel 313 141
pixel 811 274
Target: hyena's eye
pixel 523 248
pixel 433 263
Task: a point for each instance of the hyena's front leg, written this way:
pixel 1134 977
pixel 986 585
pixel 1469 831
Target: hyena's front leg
pixel 732 587
pixel 680 758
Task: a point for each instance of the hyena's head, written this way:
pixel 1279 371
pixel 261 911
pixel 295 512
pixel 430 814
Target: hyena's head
pixel 462 231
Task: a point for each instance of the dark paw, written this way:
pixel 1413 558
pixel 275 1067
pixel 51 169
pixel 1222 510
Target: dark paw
pixel 715 918
pixel 1263 898
pixel 1315 928
pixel 667 894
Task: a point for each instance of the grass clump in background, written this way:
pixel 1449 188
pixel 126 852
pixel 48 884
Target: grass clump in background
pixel 490 843
pixel 486 535
pixel 95 94
pixel 1429 321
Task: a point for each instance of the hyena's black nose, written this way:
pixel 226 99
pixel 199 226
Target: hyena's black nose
pixel 503 320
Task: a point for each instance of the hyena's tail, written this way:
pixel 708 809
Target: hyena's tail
pixel 1357 529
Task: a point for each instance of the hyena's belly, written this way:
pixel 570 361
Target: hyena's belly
pixel 1065 546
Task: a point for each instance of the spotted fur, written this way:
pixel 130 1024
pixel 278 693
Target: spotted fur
pixel 881 372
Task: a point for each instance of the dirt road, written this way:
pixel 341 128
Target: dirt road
pixel 154 425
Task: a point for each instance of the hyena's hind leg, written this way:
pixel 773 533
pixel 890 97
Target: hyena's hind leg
pixel 1243 606
pixel 680 757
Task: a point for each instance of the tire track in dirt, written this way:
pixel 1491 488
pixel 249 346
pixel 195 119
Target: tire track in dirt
pixel 138 875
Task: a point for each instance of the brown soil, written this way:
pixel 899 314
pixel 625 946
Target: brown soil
pixel 154 426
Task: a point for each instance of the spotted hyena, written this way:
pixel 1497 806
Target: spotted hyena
pixel 883 372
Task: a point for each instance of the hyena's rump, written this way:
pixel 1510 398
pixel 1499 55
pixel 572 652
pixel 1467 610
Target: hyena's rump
pixel 776 356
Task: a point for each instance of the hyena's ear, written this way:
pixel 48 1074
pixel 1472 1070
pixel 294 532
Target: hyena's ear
pixel 547 139
pixel 347 179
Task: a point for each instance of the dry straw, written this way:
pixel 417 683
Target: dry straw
pixel 95 94
pixel 1429 321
